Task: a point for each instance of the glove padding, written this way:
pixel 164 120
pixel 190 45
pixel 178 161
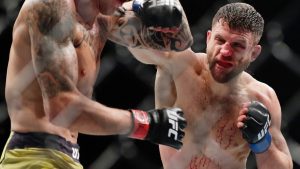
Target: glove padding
pixel 159 13
pixel 160 126
pixel 256 125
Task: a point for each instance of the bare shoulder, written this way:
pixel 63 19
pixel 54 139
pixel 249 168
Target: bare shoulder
pixel 49 17
pixel 187 56
pixel 49 8
pixel 185 61
pixel 265 94
pixel 201 56
pixel 193 59
pixel 262 91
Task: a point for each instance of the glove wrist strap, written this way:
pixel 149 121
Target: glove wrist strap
pixel 137 5
pixel 140 124
pixel 262 145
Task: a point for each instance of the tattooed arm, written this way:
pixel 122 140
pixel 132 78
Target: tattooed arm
pixel 51 26
pixel 128 30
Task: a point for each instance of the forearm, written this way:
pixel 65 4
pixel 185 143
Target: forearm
pixel 185 36
pixel 81 114
pixel 274 159
pixel 131 31
pixel 97 119
pixel 277 155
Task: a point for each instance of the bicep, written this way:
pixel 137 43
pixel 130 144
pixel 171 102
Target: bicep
pixel 274 108
pixel 149 56
pixel 273 105
pixel 126 29
pixel 52 67
pixel 165 91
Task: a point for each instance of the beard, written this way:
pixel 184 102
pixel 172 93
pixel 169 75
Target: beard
pixel 224 75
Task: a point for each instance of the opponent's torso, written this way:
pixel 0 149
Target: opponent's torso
pixel 212 140
pixel 23 94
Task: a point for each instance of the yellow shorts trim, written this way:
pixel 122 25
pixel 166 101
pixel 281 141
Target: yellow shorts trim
pixel 37 158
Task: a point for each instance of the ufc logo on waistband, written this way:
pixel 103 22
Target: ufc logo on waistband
pixel 173 120
pixel 75 153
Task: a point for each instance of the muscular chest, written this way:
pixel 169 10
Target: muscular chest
pixel 215 122
pixel 211 110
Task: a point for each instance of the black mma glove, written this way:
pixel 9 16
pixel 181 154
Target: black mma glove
pixel 160 126
pixel 159 13
pixel 256 126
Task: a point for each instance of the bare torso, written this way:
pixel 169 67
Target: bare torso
pixel 212 139
pixel 23 94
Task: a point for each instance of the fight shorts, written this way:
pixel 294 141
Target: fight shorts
pixel 37 150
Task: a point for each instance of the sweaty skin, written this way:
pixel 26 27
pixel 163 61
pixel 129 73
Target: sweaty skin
pixel 213 90
pixel 55 59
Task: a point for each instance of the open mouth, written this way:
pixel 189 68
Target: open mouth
pixel 224 64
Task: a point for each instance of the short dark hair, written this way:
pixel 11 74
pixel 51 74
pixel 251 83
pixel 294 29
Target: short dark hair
pixel 241 17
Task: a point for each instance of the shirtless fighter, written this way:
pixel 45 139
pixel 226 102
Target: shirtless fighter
pixel 228 112
pixel 53 64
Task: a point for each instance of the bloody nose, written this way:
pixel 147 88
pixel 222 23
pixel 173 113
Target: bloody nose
pixel 226 50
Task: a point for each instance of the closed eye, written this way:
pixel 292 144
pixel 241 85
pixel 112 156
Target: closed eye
pixel 237 45
pixel 219 40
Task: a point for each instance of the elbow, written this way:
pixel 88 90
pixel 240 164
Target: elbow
pixel 63 109
pixel 290 163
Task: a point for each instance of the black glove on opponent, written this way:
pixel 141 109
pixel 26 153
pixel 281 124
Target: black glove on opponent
pixel 161 126
pixel 159 13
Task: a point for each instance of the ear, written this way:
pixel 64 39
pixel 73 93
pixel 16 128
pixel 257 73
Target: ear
pixel 256 51
pixel 208 36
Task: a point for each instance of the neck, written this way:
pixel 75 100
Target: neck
pixel 87 10
pixel 227 87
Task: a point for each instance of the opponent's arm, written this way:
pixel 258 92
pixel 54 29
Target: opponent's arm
pixel 264 134
pixel 54 58
pixel 146 26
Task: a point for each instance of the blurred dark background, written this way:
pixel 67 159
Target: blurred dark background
pixel 126 83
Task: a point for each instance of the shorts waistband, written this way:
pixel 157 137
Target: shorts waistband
pixel 43 140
